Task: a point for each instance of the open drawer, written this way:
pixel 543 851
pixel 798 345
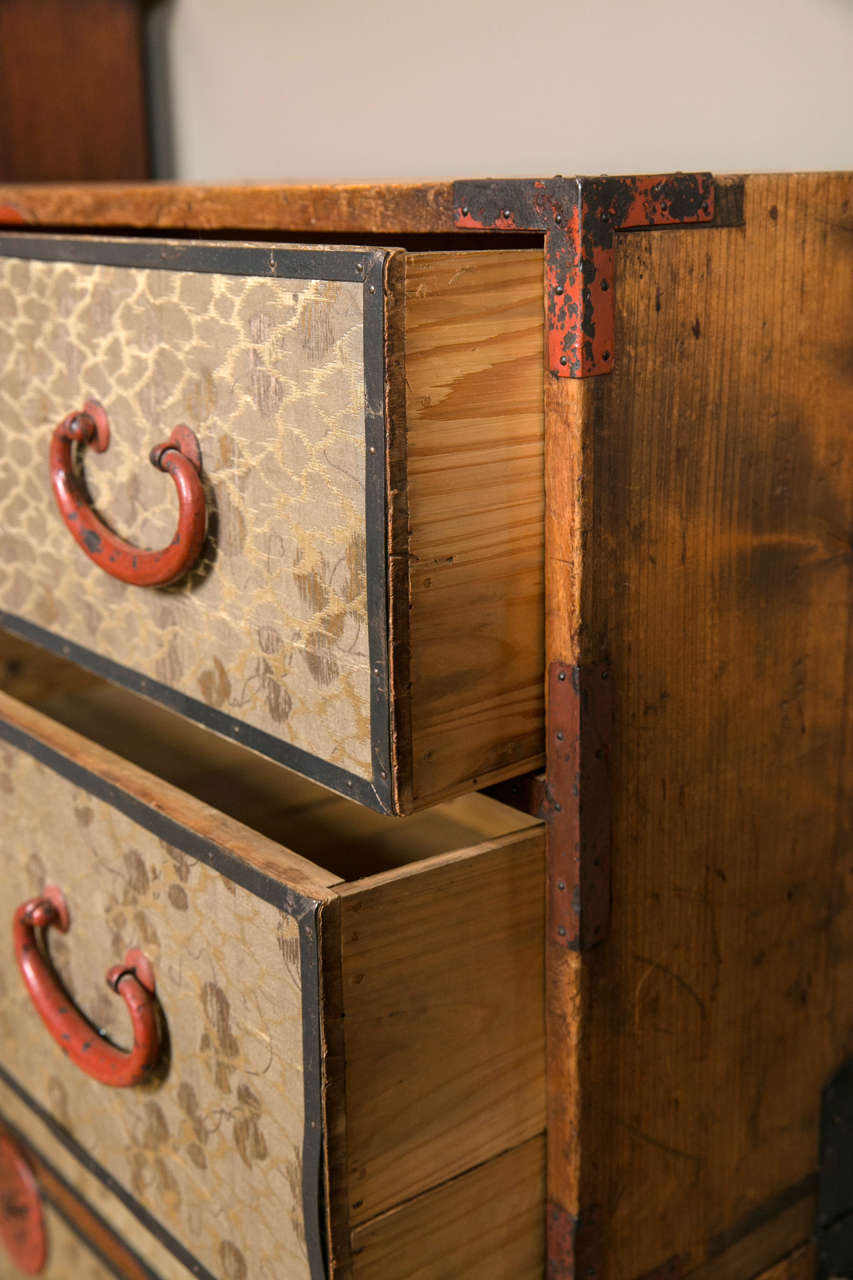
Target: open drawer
pixel 343 566
pixel 345 1050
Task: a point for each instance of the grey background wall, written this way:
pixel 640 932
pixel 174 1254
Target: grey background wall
pixel 261 89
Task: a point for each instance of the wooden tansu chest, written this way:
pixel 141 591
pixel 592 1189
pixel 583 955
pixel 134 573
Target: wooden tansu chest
pixel 426 641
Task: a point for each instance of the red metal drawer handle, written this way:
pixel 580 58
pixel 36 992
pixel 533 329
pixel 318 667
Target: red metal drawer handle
pixel 180 456
pixel 22 1227
pixel 83 1043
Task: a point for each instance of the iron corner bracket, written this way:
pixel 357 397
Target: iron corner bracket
pixel 578 217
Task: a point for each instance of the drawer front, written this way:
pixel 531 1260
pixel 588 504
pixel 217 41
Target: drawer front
pixel 218 1152
pixel 275 359
pixel 72 1235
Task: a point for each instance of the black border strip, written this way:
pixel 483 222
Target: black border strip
pixel 359 265
pixel 205 257
pixel 303 909
pixel 27 1143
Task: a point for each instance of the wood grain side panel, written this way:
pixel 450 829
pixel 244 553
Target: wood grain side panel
pixel 442 988
pixel 474 352
pixel 484 1225
pixel 718 577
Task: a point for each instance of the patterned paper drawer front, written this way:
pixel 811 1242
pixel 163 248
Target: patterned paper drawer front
pixel 275 360
pixel 219 1150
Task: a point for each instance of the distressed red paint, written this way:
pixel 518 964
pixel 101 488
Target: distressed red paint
pixel 179 456
pixel 579 217
pixel 133 980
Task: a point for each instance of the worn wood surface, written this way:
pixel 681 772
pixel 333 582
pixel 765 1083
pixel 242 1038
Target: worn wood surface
pixel 72 93
pixel 485 1225
pixel 718 579
pixel 567 495
pixel 474 351
pixel 378 208
pixel 442 995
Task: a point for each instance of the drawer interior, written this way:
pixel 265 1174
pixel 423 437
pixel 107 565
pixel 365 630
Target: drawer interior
pixel 329 830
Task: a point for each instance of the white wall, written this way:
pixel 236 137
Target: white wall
pixel 445 88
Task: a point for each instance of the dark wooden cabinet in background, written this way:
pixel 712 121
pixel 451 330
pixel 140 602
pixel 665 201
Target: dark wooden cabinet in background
pixel 72 91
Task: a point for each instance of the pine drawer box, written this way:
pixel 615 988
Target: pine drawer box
pixel 355 585
pixel 331 1036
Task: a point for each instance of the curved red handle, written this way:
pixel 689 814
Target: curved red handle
pixel 83 1043
pixel 180 456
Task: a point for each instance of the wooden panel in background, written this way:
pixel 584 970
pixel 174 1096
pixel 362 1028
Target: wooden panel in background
pixel 72 93
pixel 718 580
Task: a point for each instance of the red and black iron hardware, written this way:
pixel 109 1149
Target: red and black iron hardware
pixel 180 456
pixel 577 804
pixel 578 217
pixel 22 1228
pixel 133 980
